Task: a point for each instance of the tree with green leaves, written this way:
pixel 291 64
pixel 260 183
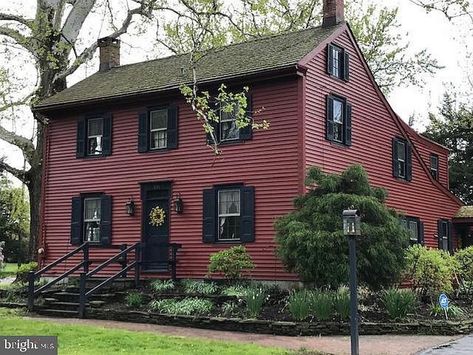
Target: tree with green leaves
pixel 14 221
pixel 311 241
pixel 453 128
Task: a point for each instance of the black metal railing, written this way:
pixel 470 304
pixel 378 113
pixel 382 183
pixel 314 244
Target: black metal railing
pixel 122 257
pixel 32 276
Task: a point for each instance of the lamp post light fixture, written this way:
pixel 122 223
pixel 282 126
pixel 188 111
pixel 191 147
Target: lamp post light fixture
pixel 352 229
pixel 130 207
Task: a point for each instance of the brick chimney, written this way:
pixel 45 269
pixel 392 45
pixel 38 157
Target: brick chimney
pixel 333 12
pixel 109 53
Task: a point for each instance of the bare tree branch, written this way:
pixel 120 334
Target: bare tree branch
pixel 25 144
pixel 19 174
pixel 16 18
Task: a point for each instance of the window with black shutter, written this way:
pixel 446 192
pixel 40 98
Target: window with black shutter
pixel 445 240
pixel 91 216
pixel 157 129
pixel 415 228
pixel 402 159
pixel 338 120
pixel 94 136
pixel 338 62
pixel 434 166
pixel 228 214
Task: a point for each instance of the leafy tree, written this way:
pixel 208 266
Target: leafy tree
pixel 311 241
pixel 453 128
pixel 14 221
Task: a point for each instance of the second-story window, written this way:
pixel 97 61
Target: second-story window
pixel 94 135
pixel 228 127
pixel 338 62
pixel 338 127
pixel 158 129
pixel 402 159
pixel 434 166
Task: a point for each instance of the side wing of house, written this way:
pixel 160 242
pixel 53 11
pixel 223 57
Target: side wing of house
pixel 347 120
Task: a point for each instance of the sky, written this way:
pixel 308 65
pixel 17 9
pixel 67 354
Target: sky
pixel 448 42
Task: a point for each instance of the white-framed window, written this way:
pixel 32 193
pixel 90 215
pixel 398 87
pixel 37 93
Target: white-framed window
pixel 92 217
pixel 337 54
pixel 228 127
pixel 338 62
pixel 434 166
pixel 338 120
pixel 229 214
pixel 413 226
pixel 401 159
pixel 94 136
pixel 158 124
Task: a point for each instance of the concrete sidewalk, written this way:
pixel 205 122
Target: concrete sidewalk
pixel 379 344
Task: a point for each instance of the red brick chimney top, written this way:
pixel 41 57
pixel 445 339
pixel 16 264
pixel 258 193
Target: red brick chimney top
pixel 333 12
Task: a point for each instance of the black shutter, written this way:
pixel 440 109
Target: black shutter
pixel 329 59
pixel 408 162
pixel 172 131
pixel 346 66
pixel 439 233
pixel 421 233
pixel 107 134
pixel 81 133
pixel 76 221
pixel 329 119
pixel 395 158
pixel 247 220
pixel 450 236
pixel 246 133
pixel 143 132
pixel 106 220
pixel 209 227
pixel 347 124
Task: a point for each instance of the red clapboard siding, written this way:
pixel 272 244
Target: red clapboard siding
pixel 373 128
pixel 269 162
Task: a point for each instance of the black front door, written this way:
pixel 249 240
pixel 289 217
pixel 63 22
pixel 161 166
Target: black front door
pixel 155 197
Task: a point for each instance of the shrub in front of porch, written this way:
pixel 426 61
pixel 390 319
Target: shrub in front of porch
pixel 464 259
pixel 311 241
pixel 231 262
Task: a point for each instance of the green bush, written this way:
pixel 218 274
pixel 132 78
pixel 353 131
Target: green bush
pixel 399 303
pixel 453 311
pixel 341 302
pixel 231 262
pixel 161 286
pixel 24 270
pixel 464 258
pixel 431 270
pixel 201 287
pixel 322 305
pixel 311 241
pixel 134 299
pixel 299 304
pixel 187 306
pixel 254 299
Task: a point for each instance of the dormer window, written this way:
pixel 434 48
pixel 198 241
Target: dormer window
pixel 434 166
pixel 338 62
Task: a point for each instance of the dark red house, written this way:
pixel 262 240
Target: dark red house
pixel 126 134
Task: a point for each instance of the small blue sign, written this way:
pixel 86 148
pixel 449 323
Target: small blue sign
pixel 443 301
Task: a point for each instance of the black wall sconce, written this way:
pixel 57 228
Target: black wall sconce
pixel 178 204
pixel 130 206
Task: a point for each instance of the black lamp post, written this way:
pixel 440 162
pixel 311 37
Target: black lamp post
pixel 352 229
pixel 178 204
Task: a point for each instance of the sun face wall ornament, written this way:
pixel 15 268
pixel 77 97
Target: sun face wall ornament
pixel 157 216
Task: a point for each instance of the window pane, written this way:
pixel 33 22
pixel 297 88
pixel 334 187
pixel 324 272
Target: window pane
pixel 159 139
pixel 92 231
pixel 94 145
pixel 95 127
pixel 159 119
pixel 229 227
pixel 337 111
pixel 401 151
pixel 229 130
pixel 336 62
pixel 414 230
pixel 229 202
pixel 92 209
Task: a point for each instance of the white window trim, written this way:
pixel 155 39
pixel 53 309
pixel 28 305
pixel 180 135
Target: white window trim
pixel 224 215
pixel 89 136
pixel 90 220
pixel 342 116
pixel 401 159
pixel 233 119
pixel 151 131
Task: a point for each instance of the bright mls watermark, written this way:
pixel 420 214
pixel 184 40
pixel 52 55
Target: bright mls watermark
pixel 26 345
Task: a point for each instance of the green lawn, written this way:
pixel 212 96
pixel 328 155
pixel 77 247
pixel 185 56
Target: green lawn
pixel 8 270
pixel 91 340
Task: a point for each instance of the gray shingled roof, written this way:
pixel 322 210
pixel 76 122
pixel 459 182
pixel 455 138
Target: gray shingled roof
pixel 267 53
